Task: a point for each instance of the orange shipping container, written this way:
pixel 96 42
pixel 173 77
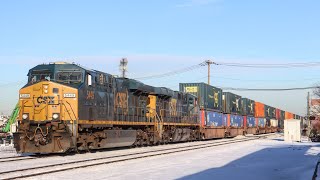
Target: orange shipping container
pixel 289 115
pixel 259 109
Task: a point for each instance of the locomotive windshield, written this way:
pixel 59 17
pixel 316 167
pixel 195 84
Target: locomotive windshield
pixel 65 77
pixel 40 75
pixel 74 77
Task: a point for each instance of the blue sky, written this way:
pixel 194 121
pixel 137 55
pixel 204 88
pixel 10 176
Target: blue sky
pixel 159 36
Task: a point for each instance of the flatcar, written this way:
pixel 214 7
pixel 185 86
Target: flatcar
pixel 65 107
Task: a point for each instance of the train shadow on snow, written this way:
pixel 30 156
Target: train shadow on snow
pixel 284 162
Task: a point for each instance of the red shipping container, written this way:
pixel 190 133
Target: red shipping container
pixel 202 118
pixel 278 114
pixel 228 120
pixel 244 121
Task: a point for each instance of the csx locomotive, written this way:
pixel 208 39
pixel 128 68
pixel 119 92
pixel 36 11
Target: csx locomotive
pixel 65 107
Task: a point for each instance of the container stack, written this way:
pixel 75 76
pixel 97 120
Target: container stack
pixel 232 108
pixel 248 109
pixel 210 105
pixel 260 117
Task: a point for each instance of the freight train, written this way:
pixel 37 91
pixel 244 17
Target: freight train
pixel 65 107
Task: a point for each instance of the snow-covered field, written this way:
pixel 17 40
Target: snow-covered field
pixel 260 159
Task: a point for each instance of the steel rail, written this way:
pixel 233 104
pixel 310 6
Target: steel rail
pixel 15 158
pixel 47 169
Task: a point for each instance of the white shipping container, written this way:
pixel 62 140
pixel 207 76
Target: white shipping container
pixel 274 122
pixel 292 130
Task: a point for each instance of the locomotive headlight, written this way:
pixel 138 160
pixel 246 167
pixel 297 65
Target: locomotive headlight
pixel 25 116
pixel 45 91
pixel 55 116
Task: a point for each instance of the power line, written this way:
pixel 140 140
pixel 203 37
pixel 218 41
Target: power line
pixel 179 71
pixel 265 65
pixel 264 80
pixel 280 89
pixel 246 65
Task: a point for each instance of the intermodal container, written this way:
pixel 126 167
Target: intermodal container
pixel 231 103
pixel 278 114
pixel 281 124
pixel 297 117
pixel 261 122
pixel 259 110
pixel 209 97
pixel 273 112
pixel 236 120
pixel 226 120
pixel 282 115
pixel 268 122
pixel 274 122
pixel 202 117
pixel 214 119
pixel 269 111
pixel 245 121
pixel 247 107
pixel 288 115
pixel 251 121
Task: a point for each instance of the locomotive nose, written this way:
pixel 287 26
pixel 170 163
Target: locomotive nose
pixel 47 116
pixel 45 100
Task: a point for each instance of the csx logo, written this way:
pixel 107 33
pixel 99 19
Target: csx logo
pixel 45 100
pixel 90 95
pixel 121 100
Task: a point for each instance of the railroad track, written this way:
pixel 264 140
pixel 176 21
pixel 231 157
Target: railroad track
pixel 15 158
pixel 59 167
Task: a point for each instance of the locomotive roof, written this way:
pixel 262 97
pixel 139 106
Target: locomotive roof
pixel 62 65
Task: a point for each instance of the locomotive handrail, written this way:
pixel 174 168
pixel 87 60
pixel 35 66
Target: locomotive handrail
pixel 75 117
pixel 73 121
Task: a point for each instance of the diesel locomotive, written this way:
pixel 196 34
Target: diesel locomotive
pixel 65 107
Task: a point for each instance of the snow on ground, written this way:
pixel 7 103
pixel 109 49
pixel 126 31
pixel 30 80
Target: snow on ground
pixel 7 151
pixel 259 159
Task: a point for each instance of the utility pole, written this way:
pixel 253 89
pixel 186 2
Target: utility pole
pixel 308 105
pixel 208 63
pixel 123 66
pixel 308 115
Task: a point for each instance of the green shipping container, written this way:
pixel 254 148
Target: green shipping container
pixel 231 103
pixel 247 106
pixel 209 97
pixel 270 111
pixel 282 115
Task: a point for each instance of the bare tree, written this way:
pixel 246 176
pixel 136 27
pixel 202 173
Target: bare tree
pixel 315 116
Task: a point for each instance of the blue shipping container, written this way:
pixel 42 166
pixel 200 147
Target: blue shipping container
pixel 225 119
pixel 236 120
pixel 261 122
pixel 214 119
pixel 251 121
